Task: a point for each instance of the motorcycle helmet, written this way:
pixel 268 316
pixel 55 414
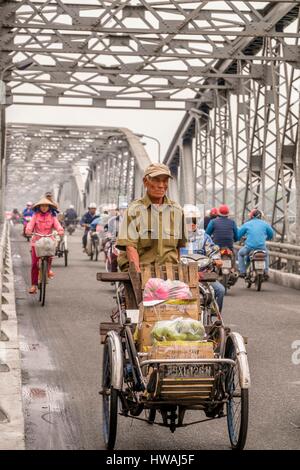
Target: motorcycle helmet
pixel 29 204
pixel 223 210
pixel 256 214
pixel 214 212
pixel 92 205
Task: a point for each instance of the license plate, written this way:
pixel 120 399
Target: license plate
pixel 259 264
pixel 226 263
pixel 188 370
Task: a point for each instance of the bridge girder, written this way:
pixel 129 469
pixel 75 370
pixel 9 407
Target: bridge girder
pixel 66 159
pixel 236 62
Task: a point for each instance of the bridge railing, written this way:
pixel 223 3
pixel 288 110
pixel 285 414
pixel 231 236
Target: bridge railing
pixel 3 254
pixel 284 257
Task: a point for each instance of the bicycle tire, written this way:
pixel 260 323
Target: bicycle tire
pixel 66 257
pixel 44 280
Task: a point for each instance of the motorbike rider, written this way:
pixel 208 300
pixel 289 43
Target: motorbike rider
pixel 222 229
pixel 153 228
pixel 256 231
pixel 27 213
pixel 202 244
pixel 70 216
pixel 210 215
pixel 85 222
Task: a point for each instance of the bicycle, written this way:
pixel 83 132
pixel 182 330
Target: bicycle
pixel 43 263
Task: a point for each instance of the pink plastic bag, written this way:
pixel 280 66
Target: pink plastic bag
pixel 159 289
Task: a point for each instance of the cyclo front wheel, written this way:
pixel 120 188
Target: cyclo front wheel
pixel 44 274
pixel 109 399
pixel 238 402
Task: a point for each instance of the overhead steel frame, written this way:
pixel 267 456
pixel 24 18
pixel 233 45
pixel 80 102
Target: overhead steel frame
pixel 157 55
pixel 42 158
pixel 265 135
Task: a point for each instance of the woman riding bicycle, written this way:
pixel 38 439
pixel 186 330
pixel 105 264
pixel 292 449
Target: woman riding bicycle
pixel 43 222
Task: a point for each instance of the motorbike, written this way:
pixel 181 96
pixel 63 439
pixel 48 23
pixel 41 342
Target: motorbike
pixel 26 221
pixel 207 275
pixel 111 255
pixel 70 228
pixel 93 245
pixel 255 273
pixel 228 272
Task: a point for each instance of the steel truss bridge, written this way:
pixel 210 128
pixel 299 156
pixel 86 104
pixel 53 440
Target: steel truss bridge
pixel 232 67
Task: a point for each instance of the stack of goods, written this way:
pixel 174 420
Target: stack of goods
pixel 173 328
pixel 159 289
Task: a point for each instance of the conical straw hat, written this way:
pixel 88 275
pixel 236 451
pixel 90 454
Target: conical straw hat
pixel 44 200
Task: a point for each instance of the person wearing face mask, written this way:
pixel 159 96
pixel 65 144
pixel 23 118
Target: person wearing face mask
pixel 43 221
pixel 201 244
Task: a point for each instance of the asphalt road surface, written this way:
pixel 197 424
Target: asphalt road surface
pixel 61 363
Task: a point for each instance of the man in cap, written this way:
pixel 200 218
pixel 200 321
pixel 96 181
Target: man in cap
pixel 153 229
pixel 86 220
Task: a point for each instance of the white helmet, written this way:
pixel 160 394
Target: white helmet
pixel 71 206
pixel 92 205
pixel 29 203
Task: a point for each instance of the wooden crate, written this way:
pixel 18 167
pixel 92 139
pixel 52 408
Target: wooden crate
pixel 181 272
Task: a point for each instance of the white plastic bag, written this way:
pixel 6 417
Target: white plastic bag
pixel 179 329
pixel 45 246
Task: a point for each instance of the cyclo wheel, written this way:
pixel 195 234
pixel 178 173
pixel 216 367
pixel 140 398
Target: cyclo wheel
pixel 109 399
pixel 238 402
pixel 44 274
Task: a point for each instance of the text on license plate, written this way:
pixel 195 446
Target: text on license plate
pixel 259 264
pixel 188 370
pixel 226 263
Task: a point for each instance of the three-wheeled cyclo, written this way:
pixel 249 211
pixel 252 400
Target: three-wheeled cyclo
pixel 157 389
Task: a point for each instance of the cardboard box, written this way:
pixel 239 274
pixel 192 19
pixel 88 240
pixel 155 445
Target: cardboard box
pixel 182 350
pixel 144 334
pixel 169 311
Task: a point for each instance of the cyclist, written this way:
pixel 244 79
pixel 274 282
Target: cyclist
pixel 43 222
pixel 70 216
pixel 85 222
pixel 256 231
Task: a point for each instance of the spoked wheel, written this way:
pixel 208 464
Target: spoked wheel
pixel 109 400
pixel 66 257
pixel 44 275
pixel 96 253
pixel 238 403
pixel 258 282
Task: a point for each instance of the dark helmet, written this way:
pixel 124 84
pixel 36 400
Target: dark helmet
pixel 256 214
pixel 214 212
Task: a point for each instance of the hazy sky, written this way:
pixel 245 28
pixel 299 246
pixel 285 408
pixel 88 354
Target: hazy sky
pixel 160 124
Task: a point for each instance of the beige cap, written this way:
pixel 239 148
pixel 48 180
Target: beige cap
pixel 157 169
pixel 46 201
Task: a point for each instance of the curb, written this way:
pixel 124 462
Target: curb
pixel 285 279
pixel 12 432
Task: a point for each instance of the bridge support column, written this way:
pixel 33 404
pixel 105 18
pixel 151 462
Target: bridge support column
pixel 187 184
